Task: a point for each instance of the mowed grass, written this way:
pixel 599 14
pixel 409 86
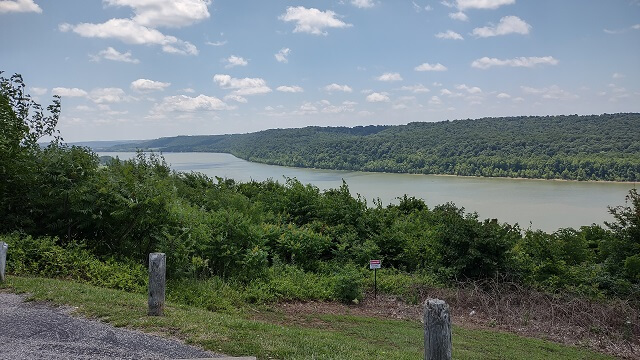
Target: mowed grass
pixel 276 336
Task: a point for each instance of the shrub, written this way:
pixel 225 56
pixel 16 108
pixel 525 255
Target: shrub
pixel 348 285
pixel 44 257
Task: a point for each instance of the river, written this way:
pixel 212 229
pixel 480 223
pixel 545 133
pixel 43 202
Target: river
pixel 538 204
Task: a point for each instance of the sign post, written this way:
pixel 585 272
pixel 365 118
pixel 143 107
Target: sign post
pixel 375 265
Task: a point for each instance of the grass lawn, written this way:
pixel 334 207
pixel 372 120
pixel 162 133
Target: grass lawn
pixel 309 337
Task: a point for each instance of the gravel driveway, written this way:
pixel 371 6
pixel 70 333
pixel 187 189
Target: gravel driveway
pixel 38 331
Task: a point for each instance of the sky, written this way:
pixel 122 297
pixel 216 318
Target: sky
pixel 143 69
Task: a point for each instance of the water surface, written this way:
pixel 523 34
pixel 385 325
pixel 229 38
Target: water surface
pixel 539 204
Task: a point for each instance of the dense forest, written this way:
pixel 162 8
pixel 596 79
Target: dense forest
pixel 596 147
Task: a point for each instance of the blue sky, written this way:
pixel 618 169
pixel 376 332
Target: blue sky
pixel 141 69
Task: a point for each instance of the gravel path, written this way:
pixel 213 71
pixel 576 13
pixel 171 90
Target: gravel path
pixel 38 331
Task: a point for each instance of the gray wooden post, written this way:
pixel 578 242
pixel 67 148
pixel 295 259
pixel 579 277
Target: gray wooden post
pixel 437 330
pixel 157 283
pixel 3 258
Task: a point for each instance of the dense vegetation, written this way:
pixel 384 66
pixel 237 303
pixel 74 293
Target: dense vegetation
pixel 58 198
pixel 604 147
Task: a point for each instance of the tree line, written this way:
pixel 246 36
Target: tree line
pixel 594 147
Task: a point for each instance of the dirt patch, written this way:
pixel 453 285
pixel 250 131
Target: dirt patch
pixel 569 321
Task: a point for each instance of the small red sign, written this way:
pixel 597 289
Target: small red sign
pixel 375 264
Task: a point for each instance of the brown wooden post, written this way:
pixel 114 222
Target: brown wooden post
pixel 437 330
pixel 4 247
pixel 157 283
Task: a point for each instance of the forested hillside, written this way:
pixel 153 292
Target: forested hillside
pixel 595 147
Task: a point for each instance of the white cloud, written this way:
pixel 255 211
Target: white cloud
pixel 235 61
pixel 470 90
pixel 187 90
pixel 377 97
pixel 236 98
pixel 217 43
pixel 430 67
pixel 114 55
pixel 169 13
pixel 449 34
pixel 363 3
pixel 108 95
pixel 7 6
pixel 146 85
pixel 482 4
pixel 415 88
pixel 282 55
pixel 507 25
pixel 435 101
pixel 130 32
pixel 459 16
pixel 503 96
pixel 553 92
pixel 636 27
pixel 68 92
pixel 420 8
pixel 290 89
pixel 183 103
pixel 312 21
pixel 390 77
pixel 306 109
pixel 38 90
pixel 346 106
pixel 246 86
pixel 336 87
pixel 486 62
pixel 617 76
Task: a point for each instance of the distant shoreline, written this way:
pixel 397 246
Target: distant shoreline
pixel 634 183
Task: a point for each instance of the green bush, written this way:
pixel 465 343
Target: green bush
pixel 347 287
pixel 44 257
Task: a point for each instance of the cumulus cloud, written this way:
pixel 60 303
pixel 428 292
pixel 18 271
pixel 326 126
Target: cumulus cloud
pixel 507 25
pixel 146 85
pixel 282 55
pixel 617 76
pixel 486 62
pixel 449 34
pixel 114 55
pixel 290 89
pixel 503 96
pixel 469 89
pixel 7 6
pixel 243 87
pixel 390 77
pixel 130 32
pixel 363 3
pixel 168 13
pixel 68 92
pixel 377 97
pixel 183 103
pixel 430 67
pixel 415 88
pixel 435 100
pixel 312 21
pixel 459 16
pixel 235 61
pixel 108 95
pixel 336 87
pixel 236 98
pixel 482 4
